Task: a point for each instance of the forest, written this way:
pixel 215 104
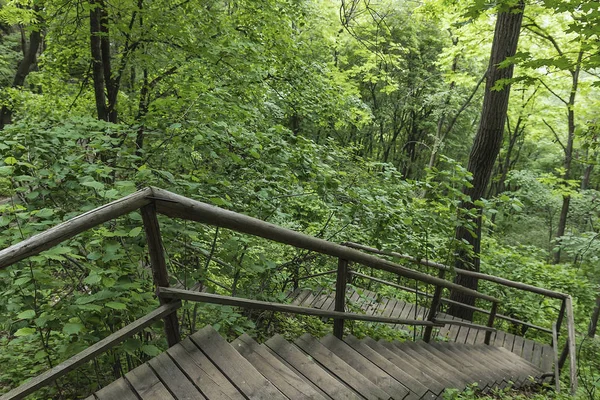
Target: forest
pixel 460 131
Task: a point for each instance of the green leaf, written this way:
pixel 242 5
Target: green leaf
pixel 135 231
pixel 150 350
pixel 44 213
pixel 6 170
pixel 92 279
pixel 22 281
pixel 24 332
pixel 10 160
pixel 116 305
pixel 94 184
pixel 72 328
pixel 27 314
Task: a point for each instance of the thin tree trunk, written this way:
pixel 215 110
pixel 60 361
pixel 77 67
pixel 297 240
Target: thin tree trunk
pixel 29 60
pixel 97 66
pixel 486 147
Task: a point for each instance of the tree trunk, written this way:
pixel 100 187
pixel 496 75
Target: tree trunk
pixel 29 60
pixel 594 320
pixel 564 212
pixel 97 67
pixel 486 147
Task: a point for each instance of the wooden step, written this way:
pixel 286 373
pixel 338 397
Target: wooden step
pixel 284 378
pixel 305 366
pixel 416 385
pixel 339 368
pixel 368 369
pixel 238 370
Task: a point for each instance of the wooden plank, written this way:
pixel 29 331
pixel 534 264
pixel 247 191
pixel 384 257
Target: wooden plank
pixel 146 384
pixel 339 368
pixel 119 389
pixel 433 371
pixel 518 345
pixel 527 353
pixel 300 298
pixel 202 373
pixel 235 367
pixel 537 354
pixel 86 355
pixel 408 365
pixel 498 339
pixel 173 378
pixel 284 379
pixel 309 369
pixel 265 305
pixel 66 230
pixel 509 341
pixel 417 385
pixel 436 363
pixel 176 206
pixel 469 371
pixel 547 358
pixel 365 367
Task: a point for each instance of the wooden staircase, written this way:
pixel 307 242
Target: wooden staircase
pixel 205 366
pixel 539 354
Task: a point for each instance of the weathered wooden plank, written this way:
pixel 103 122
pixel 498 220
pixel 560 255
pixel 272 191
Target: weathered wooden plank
pixel 243 375
pixel 66 230
pixel 417 385
pixel 309 369
pixel 86 355
pixel 284 379
pixel 175 380
pixel 547 358
pixel 518 345
pixel 119 389
pixel 407 365
pixel 146 384
pixel 555 348
pixel 536 359
pixel 301 296
pixel 177 206
pixel 431 370
pixel 365 367
pixel 265 305
pixel 202 373
pixel 527 353
pixel 339 368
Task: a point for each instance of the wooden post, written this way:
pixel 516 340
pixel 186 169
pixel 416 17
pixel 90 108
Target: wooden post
pixel 159 268
pixel 435 304
pixel 572 344
pixel 490 323
pixel 555 348
pixel 340 296
pixel 561 316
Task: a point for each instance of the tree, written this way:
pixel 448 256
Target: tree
pixel 487 143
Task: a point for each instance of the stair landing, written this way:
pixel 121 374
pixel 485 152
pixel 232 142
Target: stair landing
pixel 206 366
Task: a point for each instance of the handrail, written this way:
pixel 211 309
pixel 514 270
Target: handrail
pixel 176 206
pixel 465 272
pixel 181 294
pixel 66 230
pixel 446 300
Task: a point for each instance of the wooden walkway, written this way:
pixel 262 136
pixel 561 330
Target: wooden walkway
pixel 205 366
pixel 541 355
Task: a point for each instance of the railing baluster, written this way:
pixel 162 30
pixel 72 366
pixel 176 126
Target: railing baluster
pixel 490 323
pixel 435 304
pixel 159 268
pixel 555 351
pixel 340 296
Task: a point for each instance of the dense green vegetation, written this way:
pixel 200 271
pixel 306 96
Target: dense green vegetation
pixel 347 121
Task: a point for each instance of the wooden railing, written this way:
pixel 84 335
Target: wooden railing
pixel 566 308
pixel 151 201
